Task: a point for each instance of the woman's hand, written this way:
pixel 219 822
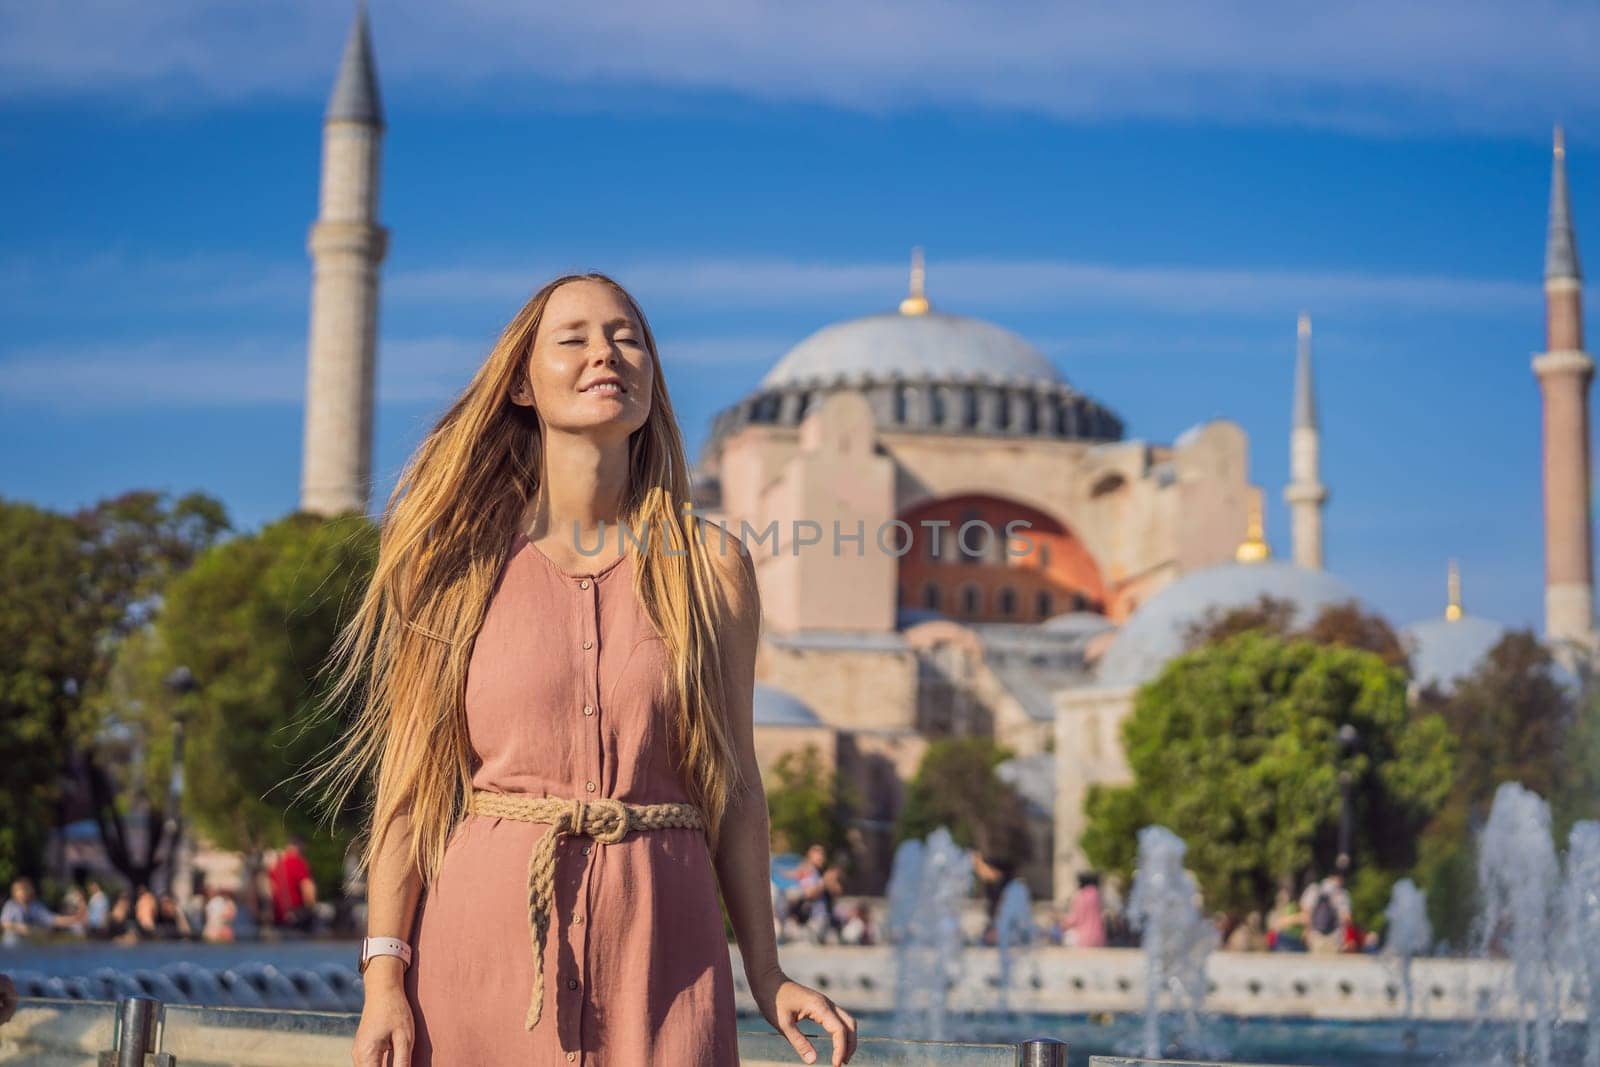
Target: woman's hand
pixel 784 1002
pixel 386 1025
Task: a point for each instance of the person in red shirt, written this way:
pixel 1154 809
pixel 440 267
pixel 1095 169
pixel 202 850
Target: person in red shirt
pixel 294 894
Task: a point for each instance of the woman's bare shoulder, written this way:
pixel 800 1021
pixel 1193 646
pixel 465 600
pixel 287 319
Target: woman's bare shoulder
pixel 735 572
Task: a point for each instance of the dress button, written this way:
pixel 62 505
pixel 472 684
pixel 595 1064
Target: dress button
pixel 572 983
pixel 589 786
pixel 571 1056
pixel 586 850
pixel 588 709
pixel 584 584
pixel 577 920
pixel 588 644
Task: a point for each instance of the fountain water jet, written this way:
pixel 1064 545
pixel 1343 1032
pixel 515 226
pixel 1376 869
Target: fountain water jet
pixel 1581 917
pixel 1014 933
pixel 1517 877
pixel 927 885
pixel 1165 906
pixel 1409 932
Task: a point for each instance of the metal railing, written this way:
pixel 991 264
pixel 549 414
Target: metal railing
pixel 140 1031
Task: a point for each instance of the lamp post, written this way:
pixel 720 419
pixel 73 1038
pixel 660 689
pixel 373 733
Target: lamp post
pixel 182 682
pixel 1348 739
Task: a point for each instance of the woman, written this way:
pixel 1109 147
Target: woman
pixel 561 735
pixel 1085 925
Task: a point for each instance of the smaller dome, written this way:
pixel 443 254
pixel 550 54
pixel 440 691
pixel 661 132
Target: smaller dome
pixel 1444 650
pixel 1034 779
pixel 1156 631
pixel 1078 622
pixel 779 707
pixel 906 618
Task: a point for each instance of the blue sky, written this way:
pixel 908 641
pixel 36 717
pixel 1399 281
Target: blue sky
pixel 1149 197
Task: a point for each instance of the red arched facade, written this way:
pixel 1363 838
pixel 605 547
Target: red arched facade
pixel 972 578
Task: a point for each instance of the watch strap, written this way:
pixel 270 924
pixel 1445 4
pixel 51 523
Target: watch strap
pixel 384 946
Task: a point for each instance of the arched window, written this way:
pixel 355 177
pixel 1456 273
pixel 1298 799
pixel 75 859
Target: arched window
pixel 971 600
pixel 1044 604
pixel 972 544
pixel 1008 602
pixel 931 598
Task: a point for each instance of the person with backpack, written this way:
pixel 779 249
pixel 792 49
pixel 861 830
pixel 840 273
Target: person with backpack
pixel 1327 905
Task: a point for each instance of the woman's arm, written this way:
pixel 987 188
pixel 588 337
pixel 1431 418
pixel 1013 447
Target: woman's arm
pixel 743 860
pixel 393 888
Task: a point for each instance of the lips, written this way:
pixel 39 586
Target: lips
pixel 604 387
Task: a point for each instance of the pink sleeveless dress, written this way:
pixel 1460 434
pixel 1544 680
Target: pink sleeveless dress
pixel 565 697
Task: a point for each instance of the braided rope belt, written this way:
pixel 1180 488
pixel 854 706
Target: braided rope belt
pixel 604 819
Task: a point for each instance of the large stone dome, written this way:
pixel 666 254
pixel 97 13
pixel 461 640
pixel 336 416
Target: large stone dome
pixel 930 345
pixel 1155 633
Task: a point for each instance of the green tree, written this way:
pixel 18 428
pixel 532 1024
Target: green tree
pixel 1234 748
pixel 135 543
pixel 1513 721
pixel 254 619
pixel 803 802
pixel 75 586
pixel 1344 624
pixel 956 786
pixel 47 639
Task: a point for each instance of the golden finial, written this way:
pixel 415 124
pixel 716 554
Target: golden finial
pixel 1561 142
pixel 1452 609
pixel 917 302
pixel 1253 549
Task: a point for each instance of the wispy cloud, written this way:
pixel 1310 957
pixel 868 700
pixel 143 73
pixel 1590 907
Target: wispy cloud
pixel 972 286
pixel 116 280
pixel 187 373
pixel 1366 64
pixel 160 373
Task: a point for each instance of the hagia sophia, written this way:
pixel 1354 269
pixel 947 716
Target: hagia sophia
pixel 926 416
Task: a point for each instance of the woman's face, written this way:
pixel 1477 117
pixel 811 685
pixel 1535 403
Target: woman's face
pixel 589 367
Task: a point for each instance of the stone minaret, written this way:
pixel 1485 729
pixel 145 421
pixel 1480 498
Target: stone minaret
pixel 1564 371
pixel 1305 492
pixel 346 246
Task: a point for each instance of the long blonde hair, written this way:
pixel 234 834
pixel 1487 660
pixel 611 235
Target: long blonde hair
pixel 446 534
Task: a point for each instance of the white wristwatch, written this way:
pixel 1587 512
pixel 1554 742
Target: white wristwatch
pixel 383 946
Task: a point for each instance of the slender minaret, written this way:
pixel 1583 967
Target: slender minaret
pixel 1305 492
pixel 346 246
pixel 916 301
pixel 1564 371
pixel 1452 586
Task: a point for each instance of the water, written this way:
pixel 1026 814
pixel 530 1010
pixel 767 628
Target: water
pixel 927 884
pixel 1517 880
pixel 1014 934
pixel 1409 932
pixel 1580 893
pixel 1165 907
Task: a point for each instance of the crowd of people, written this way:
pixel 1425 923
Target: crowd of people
pixel 94 909
pixel 810 905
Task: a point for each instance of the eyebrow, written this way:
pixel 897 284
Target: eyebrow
pixel 620 320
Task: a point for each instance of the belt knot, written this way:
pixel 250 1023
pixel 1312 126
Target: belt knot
pixel 605 819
